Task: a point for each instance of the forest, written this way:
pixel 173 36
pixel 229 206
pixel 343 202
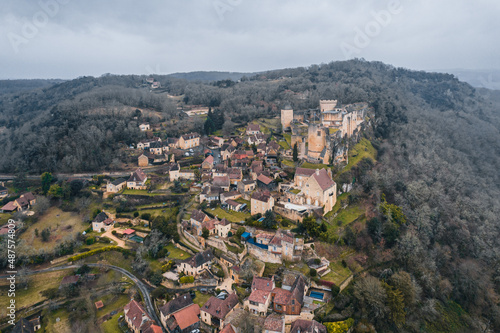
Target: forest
pixel 435 186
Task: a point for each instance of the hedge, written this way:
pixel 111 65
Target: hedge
pixel 339 326
pixel 186 279
pixel 96 251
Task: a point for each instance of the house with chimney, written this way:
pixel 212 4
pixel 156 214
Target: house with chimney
pixel 215 310
pixel 102 222
pixel 307 326
pixel 180 315
pixel 289 302
pixel 274 324
pixel 116 185
pixel 23 203
pixel 138 320
pixel 261 202
pixel 137 180
pixel 210 193
pixel 190 140
pixel 260 298
pixel 196 264
pixel 197 219
pixel 318 189
pixel 253 129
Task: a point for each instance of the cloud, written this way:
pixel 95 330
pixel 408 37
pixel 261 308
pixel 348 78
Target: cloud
pixel 122 37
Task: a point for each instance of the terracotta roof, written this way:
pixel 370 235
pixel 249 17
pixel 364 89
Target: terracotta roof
pixel 176 304
pixel 264 179
pixel 128 231
pixel 219 308
pixel 209 159
pixel 281 296
pixel 259 296
pixel 323 178
pixel 304 172
pixel 276 240
pixel 153 329
pixel 187 316
pixel 262 283
pixel 210 224
pixel 9 206
pixel 307 326
pixel 200 258
pixel 198 215
pixel 98 305
pixel 137 176
pixel 108 221
pixel 265 235
pixel 137 315
pixel 274 323
pixel 224 222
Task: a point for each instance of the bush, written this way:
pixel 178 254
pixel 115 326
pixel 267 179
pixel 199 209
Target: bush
pixel 335 290
pixel 90 240
pixel 339 326
pixel 146 216
pixel 136 214
pixel 186 279
pixel 313 272
pixel 114 232
pixel 159 292
pixel 96 251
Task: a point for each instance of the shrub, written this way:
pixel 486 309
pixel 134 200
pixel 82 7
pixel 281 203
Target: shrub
pixel 136 214
pixel 339 326
pixel 186 279
pixel 313 272
pixel 96 251
pixel 335 290
pixel 146 216
pixel 90 240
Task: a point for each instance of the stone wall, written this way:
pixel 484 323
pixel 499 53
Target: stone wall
pixel 263 255
pixel 217 243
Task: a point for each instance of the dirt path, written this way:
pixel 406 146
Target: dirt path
pixel 119 242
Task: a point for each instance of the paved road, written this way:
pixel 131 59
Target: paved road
pixel 142 287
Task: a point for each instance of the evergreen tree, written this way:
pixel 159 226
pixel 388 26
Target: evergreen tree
pixel 46 180
pixel 295 152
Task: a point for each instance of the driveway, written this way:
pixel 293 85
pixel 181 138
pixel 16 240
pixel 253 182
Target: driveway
pixel 119 242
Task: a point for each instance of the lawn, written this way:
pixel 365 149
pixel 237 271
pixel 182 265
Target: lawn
pixel 111 303
pixel 308 165
pixel 140 192
pixel 4 217
pixel 288 163
pixel 61 224
pixel 344 216
pixel 229 215
pixel 200 298
pixel 274 123
pixel 288 138
pixel 32 295
pixel 243 201
pixel 176 253
pixel 111 258
pixel 63 325
pixel 361 150
pixel 338 273
pixel 111 325
pixel 284 145
pixel 270 269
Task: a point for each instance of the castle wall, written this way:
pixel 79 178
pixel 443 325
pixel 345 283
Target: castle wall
pixel 286 118
pixel 327 104
pixel 263 255
pixel 316 139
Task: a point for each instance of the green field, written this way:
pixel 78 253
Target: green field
pixel 176 253
pixel 288 138
pixel 140 192
pixel 32 295
pixel 288 163
pixel 111 303
pixel 308 165
pixel 284 145
pixel 361 150
pixel 229 215
pixel 200 298
pixel 111 258
pixel 61 225
pixel 111 325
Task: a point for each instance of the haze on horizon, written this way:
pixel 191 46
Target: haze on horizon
pixel 67 38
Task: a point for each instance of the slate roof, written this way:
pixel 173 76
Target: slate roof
pixel 176 304
pixel 198 215
pixel 137 176
pixel 200 258
pixel 221 181
pixel 118 181
pixel 261 196
pixel 219 308
pixel 23 326
pixel 307 326
pixel 232 203
pixel 101 217
pixel 175 167
pixel 274 323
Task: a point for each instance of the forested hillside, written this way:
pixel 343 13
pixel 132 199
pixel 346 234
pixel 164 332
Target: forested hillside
pixel 433 239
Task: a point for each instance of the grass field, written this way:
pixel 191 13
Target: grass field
pixel 288 163
pixel 112 258
pixel 200 298
pixel 140 192
pixel 111 325
pixel 4 217
pixel 361 150
pixel 308 165
pixel 230 215
pixel 111 303
pixel 176 253
pixel 288 138
pixel 61 224
pixel 284 145
pixel 63 325
pixel 32 295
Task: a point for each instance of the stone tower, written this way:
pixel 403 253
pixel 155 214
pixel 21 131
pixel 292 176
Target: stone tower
pixel 316 140
pixel 286 117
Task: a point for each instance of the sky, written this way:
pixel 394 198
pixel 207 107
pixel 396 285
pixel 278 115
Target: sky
pixel 71 38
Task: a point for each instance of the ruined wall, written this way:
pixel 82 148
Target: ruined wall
pixel 286 118
pixel 263 255
pixel 316 140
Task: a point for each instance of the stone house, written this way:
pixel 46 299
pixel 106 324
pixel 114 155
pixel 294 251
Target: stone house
pixel 253 129
pixel 274 324
pixel 189 140
pixel 173 172
pixel 197 219
pixel 215 310
pixel 210 193
pixel 102 221
pixel 208 163
pixel 138 320
pixel 246 185
pixel 180 314
pixel 24 202
pixel 137 180
pixel 258 301
pixel 195 265
pixel 261 202
pixel 142 161
pixel 222 182
pixel 116 185
pixel 289 302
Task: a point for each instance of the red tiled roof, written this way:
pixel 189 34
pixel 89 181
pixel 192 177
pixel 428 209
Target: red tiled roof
pixel 153 329
pixel 99 305
pixel 228 329
pixel 209 159
pixel 273 323
pixel 281 296
pixel 259 296
pixel 9 206
pixel 128 231
pixel 187 316
pixel 136 313
pixel 262 283
pixel 266 180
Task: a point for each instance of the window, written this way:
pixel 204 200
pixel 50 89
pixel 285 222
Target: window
pixel 319 133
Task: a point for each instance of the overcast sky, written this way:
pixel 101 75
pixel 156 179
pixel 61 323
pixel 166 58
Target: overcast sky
pixel 70 38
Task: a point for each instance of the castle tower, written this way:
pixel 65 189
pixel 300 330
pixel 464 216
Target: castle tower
pixel 286 117
pixel 327 104
pixel 316 139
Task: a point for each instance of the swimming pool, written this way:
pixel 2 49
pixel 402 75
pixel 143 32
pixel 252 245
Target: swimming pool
pixel 317 295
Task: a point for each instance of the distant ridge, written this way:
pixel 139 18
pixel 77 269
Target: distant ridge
pixel 210 76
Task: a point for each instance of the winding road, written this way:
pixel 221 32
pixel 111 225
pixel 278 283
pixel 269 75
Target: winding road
pixel 142 287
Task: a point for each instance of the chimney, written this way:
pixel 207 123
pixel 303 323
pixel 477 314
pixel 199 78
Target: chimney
pixel 317 172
